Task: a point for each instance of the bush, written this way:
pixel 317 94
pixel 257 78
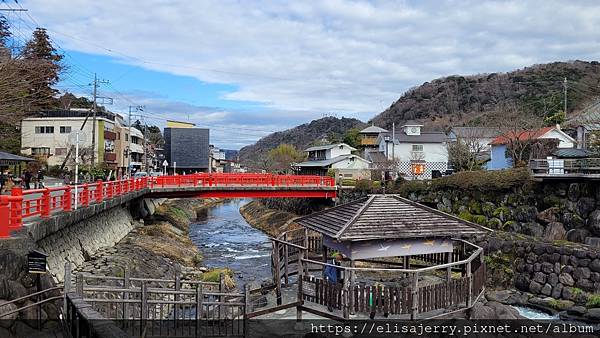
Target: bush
pixel 363 185
pixel 593 301
pixel 480 219
pixel 349 182
pixel 466 216
pixel 484 180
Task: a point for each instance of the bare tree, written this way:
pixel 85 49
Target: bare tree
pixel 518 131
pixel 468 151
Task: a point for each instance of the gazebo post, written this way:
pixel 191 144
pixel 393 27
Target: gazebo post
pixel 415 296
pixel 346 295
pixel 351 288
pixel 449 269
pixel 405 263
pixel 300 280
pixel 324 259
pixel 470 279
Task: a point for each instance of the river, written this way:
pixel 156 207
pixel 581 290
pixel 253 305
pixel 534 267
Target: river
pixel 227 240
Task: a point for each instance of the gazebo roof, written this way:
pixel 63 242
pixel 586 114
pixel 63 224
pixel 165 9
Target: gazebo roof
pixel 11 159
pixel 387 217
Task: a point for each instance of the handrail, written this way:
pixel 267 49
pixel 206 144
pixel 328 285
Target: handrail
pixel 43 203
pixel 43 301
pixel 474 255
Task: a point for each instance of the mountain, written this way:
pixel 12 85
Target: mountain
pixel 327 128
pixel 459 100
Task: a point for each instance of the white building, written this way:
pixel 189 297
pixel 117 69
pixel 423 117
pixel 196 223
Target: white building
pixel 414 153
pixel 47 136
pixel 337 157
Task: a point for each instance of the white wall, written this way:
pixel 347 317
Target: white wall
pixel 337 151
pixel 29 139
pixel 564 141
pixel 351 164
pixel 432 152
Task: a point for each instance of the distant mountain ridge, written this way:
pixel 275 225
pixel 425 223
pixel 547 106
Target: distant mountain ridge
pixel 458 101
pixel 301 137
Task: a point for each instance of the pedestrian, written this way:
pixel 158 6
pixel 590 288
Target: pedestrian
pixel 2 180
pixel 27 179
pixel 376 296
pixel 8 185
pixel 333 278
pixel 40 179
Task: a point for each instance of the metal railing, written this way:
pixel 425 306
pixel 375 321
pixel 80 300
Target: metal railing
pixel 23 204
pixel 580 167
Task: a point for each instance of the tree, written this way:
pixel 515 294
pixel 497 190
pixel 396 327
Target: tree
pixel 282 157
pixel 46 62
pixel 467 153
pixel 518 131
pixel 352 137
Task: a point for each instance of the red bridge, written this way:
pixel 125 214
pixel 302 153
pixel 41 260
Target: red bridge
pixel 36 205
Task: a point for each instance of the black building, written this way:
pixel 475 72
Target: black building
pixel 187 149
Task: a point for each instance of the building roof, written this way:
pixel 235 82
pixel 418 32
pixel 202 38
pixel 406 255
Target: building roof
pixel 424 137
pixel 327 162
pixel 477 132
pixel 573 153
pixel 329 146
pixel 412 123
pixel 387 217
pixel 372 130
pixel 12 159
pixel 376 156
pixel 526 135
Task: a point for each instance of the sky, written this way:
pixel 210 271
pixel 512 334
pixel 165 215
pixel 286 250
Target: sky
pixel 249 68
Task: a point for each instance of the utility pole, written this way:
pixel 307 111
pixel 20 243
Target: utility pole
pixel 565 90
pixel 137 108
pixel 96 82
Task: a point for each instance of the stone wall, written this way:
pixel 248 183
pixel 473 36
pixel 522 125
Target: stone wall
pixel 548 210
pixel 82 240
pixel 560 270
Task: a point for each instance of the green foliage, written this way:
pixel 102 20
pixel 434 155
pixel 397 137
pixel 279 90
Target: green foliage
pixel 198 258
pixel 348 182
pixel 214 274
pixel 466 216
pixel 593 300
pixel 283 156
pixel 480 219
pixel 559 304
pixel 501 212
pixel 331 172
pixel 475 207
pixel 352 137
pixel 494 223
pixel 555 118
pixel 484 181
pixel 577 291
pixel 553 201
pixel 363 185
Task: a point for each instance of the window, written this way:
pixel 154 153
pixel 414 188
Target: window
pixel 65 129
pixel 417 147
pixel 44 130
pixel 40 151
pixel 60 151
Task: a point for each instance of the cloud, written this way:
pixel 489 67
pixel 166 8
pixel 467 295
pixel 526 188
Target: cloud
pixel 311 57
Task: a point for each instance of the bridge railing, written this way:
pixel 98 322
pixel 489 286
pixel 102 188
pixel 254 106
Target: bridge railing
pixel 243 179
pixel 22 204
pixel 565 167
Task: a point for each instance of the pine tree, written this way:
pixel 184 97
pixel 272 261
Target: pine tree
pixel 45 63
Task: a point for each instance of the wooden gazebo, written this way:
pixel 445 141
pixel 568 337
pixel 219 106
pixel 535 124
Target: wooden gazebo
pixel 400 258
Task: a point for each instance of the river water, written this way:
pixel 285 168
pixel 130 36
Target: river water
pixel 227 240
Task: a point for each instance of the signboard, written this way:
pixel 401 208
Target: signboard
pixel 165 163
pixel 36 262
pixel 389 247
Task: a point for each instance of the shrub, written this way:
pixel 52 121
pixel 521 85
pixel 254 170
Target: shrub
pixel 466 216
pixel 485 180
pixel 480 219
pixel 363 185
pixel 349 182
pixel 593 301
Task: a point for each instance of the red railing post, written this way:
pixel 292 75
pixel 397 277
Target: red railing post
pixel 85 195
pixel 45 203
pixel 16 208
pixel 67 205
pixel 4 217
pixel 109 189
pixel 99 191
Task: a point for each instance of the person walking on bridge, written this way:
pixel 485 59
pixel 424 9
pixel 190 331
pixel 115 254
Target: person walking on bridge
pixel 333 278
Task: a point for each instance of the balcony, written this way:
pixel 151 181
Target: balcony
pixel 109 135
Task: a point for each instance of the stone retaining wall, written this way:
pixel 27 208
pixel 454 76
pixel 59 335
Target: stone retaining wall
pixel 560 270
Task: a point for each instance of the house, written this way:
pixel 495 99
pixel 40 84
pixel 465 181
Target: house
pixel 337 157
pixel 186 147
pixel 416 154
pixel 46 136
pixel 499 159
pixel 477 139
pixel 369 135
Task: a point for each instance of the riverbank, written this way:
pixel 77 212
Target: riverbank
pixel 158 246
pixel 271 221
